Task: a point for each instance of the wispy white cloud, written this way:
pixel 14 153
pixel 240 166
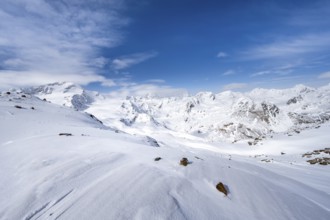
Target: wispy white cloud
pixel 229 72
pixel 261 73
pixel 289 47
pixel 43 40
pixel 222 54
pixel 105 82
pixel 11 79
pixel 99 62
pixel 275 71
pixel 325 75
pixel 127 61
pixel 286 78
pixel 278 70
pixel 303 40
pixel 155 81
pixel 149 90
pixel 233 86
pixel 311 16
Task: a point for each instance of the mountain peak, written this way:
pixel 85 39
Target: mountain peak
pixel 63 93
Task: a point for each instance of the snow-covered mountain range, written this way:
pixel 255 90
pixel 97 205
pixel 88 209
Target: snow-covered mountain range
pixel 227 116
pixel 59 162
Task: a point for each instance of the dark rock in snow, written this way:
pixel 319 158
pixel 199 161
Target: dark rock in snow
pixel 81 101
pixel 153 142
pixel 304 118
pixel 198 158
pixel 294 100
pixel 314 161
pixel 321 161
pixel 95 118
pixel 184 161
pixel 17 106
pixel 65 134
pixel 221 187
pixel 158 158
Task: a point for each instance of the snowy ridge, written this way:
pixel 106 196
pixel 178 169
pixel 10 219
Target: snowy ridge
pixel 65 93
pixel 100 173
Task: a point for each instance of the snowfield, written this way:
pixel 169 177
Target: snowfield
pixel 108 171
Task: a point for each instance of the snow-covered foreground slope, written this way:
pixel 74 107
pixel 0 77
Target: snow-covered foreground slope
pixel 101 173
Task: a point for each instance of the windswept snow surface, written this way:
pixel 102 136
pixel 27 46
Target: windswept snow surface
pixel 105 173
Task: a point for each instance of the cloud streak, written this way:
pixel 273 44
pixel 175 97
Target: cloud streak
pixel 290 47
pixel 156 81
pixel 233 86
pixel 149 89
pixel 127 61
pixel 222 54
pixel 229 72
pixel 325 75
pixel 11 79
pixel 51 41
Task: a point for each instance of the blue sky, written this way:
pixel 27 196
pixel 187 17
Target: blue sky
pixel 165 46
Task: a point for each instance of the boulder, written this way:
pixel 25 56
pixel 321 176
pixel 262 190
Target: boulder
pixel 184 161
pixel 65 134
pixel 158 158
pixel 222 188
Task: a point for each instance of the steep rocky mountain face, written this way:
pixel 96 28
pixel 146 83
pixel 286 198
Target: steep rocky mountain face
pixel 227 116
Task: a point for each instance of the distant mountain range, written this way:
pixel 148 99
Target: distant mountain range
pixel 227 116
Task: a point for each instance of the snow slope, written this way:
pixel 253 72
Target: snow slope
pixel 102 173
